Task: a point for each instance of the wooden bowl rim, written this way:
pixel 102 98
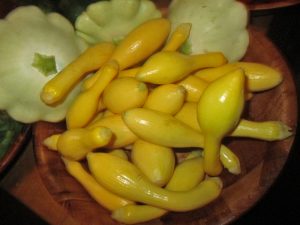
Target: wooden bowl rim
pixel 237 213
pixel 271 5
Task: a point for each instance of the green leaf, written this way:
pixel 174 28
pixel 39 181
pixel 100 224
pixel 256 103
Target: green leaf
pixel 9 129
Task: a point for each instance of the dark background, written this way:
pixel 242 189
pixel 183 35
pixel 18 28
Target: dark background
pixel 281 204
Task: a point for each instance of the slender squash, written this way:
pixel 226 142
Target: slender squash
pixel 188 115
pixel 260 77
pixel 122 135
pixel 155 161
pixel 129 72
pixel 86 103
pixel 120 153
pixel 230 160
pixel 161 128
pixel 167 98
pixel 142 42
pixel 138 45
pixel 187 175
pixel 124 93
pixel 263 130
pixel 169 66
pixel 100 194
pixel 194 87
pixel 219 111
pixel 123 178
pixel 178 37
pixel 76 143
pixel 56 89
pixel 137 214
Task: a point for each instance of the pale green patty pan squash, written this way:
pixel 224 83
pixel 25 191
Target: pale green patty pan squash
pixel 34 46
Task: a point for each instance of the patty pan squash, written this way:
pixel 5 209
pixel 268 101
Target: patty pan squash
pixel 34 46
pixel 217 26
pixel 112 20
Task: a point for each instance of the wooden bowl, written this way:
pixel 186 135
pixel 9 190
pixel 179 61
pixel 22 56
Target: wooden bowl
pixel 261 161
pixel 257 5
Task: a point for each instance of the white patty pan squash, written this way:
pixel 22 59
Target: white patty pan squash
pixel 34 46
pixel 112 20
pixel 218 25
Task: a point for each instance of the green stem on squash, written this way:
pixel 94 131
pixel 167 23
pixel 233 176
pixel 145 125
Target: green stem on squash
pixel 44 63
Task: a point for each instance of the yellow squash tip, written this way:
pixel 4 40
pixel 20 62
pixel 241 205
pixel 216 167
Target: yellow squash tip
pixel 217 180
pixel 104 132
pixel 51 142
pixel 49 95
pixel 235 170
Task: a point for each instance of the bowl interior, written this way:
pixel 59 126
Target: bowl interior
pixel 261 161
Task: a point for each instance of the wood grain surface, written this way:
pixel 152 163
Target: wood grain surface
pixel 257 5
pixel 23 181
pixel 252 5
pixel 261 161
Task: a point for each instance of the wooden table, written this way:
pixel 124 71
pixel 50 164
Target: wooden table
pixel 23 182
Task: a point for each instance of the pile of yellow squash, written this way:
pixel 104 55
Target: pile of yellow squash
pixel 140 103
